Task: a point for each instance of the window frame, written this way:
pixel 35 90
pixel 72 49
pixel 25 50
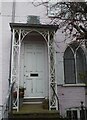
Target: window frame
pixel 78 109
pixel 65 60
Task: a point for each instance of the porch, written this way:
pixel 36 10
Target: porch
pixel 33 62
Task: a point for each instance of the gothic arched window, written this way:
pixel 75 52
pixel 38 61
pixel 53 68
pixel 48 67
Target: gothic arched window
pixel 74 65
pixel 69 66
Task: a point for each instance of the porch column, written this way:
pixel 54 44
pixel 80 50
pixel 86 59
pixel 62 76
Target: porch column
pixel 53 101
pixel 15 64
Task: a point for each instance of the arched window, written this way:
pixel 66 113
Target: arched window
pixel 80 65
pixel 74 65
pixel 69 66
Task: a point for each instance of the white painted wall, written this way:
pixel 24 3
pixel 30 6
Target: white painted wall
pixel 23 9
pixel 6 40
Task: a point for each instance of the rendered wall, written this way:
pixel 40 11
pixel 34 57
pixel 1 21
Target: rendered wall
pixel 70 97
pixel 6 11
pixel 23 9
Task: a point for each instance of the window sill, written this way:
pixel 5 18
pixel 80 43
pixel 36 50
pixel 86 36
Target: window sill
pixel 75 85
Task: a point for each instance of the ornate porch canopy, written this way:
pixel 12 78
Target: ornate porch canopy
pixel 19 31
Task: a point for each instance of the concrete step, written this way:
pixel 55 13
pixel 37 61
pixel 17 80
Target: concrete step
pixel 36 116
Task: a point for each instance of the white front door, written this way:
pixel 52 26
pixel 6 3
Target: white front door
pixel 34 67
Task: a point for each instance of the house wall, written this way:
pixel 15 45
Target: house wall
pixel 6 38
pixel 6 12
pixel 23 9
pixel 68 96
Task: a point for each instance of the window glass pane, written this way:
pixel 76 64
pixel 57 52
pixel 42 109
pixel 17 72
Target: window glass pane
pixel 81 66
pixel 69 67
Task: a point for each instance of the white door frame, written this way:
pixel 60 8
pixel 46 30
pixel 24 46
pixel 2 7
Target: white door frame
pixel 45 75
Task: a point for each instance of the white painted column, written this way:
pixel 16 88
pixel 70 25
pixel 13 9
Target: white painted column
pixel 52 82
pixel 18 69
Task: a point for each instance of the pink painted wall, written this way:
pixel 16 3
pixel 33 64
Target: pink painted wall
pixel 70 97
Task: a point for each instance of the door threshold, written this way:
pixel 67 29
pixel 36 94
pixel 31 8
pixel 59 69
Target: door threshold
pixel 32 102
pixel 33 97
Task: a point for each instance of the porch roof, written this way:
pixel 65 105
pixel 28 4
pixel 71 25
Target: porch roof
pixel 34 26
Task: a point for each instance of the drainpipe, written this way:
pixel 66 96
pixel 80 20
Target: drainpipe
pixel 10 99
pixel 13 20
pixel 13 11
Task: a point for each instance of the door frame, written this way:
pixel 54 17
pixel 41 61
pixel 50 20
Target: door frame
pixel 46 82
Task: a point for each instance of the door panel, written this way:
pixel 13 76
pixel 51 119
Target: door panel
pixel 34 70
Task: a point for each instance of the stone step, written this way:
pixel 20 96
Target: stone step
pixel 36 116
